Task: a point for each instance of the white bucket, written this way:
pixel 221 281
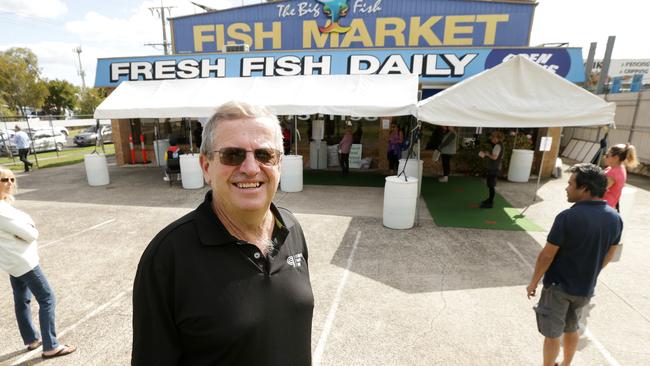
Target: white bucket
pixel 413 169
pixel 191 173
pixel 291 174
pixel 521 163
pixel 96 169
pixel 318 154
pixel 400 198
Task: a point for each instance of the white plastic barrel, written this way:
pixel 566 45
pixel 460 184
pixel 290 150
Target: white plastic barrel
pixel 413 169
pixel 400 197
pixel 318 154
pixel 626 205
pixel 291 175
pixel 96 169
pixel 191 173
pixel 160 149
pixel 521 163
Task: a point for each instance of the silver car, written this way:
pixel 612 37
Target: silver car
pixel 42 140
pixel 89 136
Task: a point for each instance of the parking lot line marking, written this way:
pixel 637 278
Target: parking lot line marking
pixel 75 234
pixel 322 341
pixel 97 310
pixel 611 361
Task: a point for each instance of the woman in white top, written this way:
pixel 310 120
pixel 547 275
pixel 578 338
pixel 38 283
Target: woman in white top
pixel 19 257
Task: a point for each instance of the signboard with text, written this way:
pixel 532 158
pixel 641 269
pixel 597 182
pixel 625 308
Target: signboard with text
pixel 440 66
pixel 360 24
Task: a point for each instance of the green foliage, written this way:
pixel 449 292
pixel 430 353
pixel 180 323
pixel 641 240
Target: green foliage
pixel 467 158
pixel 90 99
pixel 20 82
pixel 62 96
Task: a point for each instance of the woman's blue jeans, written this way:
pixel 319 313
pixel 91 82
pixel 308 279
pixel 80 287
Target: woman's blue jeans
pixel 34 282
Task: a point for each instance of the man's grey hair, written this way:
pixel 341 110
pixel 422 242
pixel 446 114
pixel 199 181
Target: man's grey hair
pixel 235 110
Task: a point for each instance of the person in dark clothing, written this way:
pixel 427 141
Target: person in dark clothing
pixel 357 134
pixel 494 158
pixel 286 139
pixel 228 283
pixel 447 150
pixel 582 241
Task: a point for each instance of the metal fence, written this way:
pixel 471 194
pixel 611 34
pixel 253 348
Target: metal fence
pixel 47 133
pixel 632 125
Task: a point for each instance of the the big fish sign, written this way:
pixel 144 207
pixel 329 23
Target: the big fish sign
pixel 344 24
pixel 335 9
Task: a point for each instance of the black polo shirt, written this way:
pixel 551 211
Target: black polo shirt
pixel 201 297
pixel 584 233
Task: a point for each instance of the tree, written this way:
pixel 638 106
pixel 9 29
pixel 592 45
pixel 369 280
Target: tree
pixel 20 81
pixel 62 96
pixel 90 99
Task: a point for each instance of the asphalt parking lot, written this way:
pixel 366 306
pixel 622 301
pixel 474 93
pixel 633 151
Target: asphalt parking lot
pixel 424 296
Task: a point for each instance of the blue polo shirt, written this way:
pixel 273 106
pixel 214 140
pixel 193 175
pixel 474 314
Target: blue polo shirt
pixel 584 233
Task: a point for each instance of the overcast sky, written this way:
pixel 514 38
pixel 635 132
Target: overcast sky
pixel 53 28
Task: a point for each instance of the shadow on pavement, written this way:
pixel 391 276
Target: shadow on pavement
pixel 429 259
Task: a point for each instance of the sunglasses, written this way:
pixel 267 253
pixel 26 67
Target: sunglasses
pixel 234 156
pixel 5 180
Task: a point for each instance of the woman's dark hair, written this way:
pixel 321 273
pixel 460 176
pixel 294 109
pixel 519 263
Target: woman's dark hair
pixel 591 178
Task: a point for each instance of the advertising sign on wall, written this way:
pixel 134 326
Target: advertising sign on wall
pixel 626 69
pixel 440 66
pixel 332 24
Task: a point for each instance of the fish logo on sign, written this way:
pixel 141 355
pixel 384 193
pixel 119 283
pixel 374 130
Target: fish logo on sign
pixel 335 10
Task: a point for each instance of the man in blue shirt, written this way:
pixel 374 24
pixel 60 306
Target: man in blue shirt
pixel 581 242
pixel 22 141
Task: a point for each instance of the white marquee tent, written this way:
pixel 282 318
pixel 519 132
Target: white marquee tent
pixel 351 95
pixel 517 93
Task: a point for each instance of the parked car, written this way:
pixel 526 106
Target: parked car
pixel 42 140
pixel 89 136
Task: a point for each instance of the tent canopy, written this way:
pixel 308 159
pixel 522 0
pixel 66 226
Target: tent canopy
pixel 351 95
pixel 516 93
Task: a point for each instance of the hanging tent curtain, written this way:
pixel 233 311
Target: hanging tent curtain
pixel 517 93
pixel 351 95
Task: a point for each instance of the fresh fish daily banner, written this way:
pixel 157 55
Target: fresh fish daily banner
pixel 440 66
pixel 359 24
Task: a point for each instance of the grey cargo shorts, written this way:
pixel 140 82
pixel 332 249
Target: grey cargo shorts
pixel 558 312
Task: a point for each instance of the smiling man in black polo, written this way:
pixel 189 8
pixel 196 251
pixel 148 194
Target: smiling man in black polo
pixel 228 284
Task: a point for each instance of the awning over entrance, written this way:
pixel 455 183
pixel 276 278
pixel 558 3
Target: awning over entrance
pixel 516 93
pixel 351 95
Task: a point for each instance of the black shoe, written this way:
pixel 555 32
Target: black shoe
pixel 486 204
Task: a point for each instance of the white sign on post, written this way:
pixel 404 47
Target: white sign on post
pixel 545 143
pixel 385 123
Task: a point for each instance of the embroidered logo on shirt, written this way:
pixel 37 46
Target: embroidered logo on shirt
pixel 295 260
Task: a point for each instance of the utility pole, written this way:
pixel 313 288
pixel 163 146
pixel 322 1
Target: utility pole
pixel 81 71
pixel 161 13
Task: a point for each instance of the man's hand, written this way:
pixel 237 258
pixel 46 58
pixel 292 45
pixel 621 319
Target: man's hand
pixel 531 290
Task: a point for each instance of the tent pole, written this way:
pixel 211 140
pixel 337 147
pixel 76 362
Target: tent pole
pixel 295 133
pixel 539 173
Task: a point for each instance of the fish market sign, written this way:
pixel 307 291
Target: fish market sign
pixel 344 24
pixel 434 66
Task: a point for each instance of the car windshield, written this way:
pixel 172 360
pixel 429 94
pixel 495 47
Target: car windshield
pixel 90 129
